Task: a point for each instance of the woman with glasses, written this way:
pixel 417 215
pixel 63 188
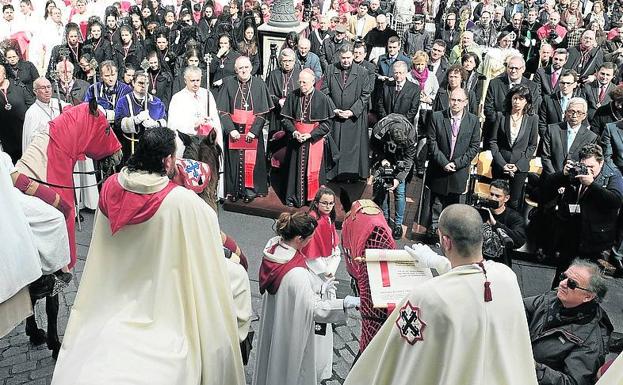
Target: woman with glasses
pixel 297 306
pixel 513 140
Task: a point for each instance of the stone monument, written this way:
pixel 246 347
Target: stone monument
pixel 282 20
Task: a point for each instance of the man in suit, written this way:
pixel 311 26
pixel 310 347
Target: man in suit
pixel 547 78
pixel 399 96
pixel 438 63
pixel 70 90
pixel 385 62
pixel 596 92
pixel 611 112
pixel 453 141
pixel 586 57
pixel 553 108
pixel 563 141
pixel 498 88
pixel 361 23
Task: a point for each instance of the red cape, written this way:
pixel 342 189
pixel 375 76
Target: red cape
pixel 324 239
pixel 271 273
pixel 123 207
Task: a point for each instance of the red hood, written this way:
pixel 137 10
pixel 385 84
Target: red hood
pixel 278 260
pixel 323 241
pixel 124 207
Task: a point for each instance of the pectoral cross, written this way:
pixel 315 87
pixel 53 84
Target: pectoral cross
pixel 246 105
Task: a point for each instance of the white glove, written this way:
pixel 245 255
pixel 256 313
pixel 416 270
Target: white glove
pixel 128 126
pixel 141 117
pixel 328 285
pixel 351 302
pixel 150 123
pixel 110 116
pixel 425 257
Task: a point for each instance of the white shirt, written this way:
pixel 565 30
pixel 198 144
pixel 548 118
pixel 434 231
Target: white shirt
pixel 37 118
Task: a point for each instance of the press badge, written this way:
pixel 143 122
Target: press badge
pixel 574 209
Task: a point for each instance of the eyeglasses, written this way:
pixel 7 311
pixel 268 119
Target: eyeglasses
pixel 515 68
pixel 572 283
pixel 566 83
pixel 322 203
pixel 44 88
pixel 573 112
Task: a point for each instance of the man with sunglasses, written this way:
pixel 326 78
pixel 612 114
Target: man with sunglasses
pixel 568 327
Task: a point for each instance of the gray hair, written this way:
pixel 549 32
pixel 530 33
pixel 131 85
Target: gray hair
pixel 597 282
pixel 289 52
pixel 108 64
pixel 517 57
pixel 462 224
pixel 192 70
pixel 400 64
pixel 39 80
pixel 578 100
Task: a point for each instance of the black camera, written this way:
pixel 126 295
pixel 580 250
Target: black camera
pixel 576 169
pixel 386 173
pixel 482 204
pixel 553 35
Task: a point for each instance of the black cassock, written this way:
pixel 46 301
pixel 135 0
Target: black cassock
pixel 277 91
pixel 349 90
pixel 245 174
pixel 304 176
pixel 13 106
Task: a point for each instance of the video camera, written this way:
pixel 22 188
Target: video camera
pixel 386 173
pixel 482 205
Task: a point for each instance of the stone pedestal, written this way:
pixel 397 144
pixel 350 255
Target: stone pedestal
pixel 269 34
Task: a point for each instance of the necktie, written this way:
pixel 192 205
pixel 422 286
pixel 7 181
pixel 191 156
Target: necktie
pixel 554 78
pixel 398 88
pixel 563 104
pixel 456 124
pixel 570 139
pixel 602 93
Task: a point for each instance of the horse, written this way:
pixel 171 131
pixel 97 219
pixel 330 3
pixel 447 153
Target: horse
pixel 50 160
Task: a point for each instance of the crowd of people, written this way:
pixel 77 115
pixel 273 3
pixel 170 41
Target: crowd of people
pixel 384 91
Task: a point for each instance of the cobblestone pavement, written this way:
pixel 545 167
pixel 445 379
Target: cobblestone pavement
pixel 22 363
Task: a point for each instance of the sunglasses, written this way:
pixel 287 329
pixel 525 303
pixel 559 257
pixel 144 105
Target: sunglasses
pixel 572 283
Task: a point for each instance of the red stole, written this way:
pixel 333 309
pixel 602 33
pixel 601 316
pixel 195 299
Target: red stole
pixel 123 207
pixel 271 273
pixel 245 119
pixel 314 160
pixel 323 241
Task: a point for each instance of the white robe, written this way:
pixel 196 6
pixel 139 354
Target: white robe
pixel 35 241
pixel 154 304
pixel 286 352
pixel 50 35
pixel 614 374
pixel 185 110
pixel 464 340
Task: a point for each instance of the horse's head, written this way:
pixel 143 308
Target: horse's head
pixel 97 140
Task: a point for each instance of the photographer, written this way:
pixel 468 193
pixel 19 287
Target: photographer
pixel 505 218
pixel 590 193
pixel 393 149
pixel 552 32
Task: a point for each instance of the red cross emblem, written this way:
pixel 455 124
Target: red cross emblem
pixel 409 323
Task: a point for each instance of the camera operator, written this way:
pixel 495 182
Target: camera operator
pixel 590 193
pixel 505 218
pixel 393 149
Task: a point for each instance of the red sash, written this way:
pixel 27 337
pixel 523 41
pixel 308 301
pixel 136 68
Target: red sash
pixel 314 160
pixel 245 119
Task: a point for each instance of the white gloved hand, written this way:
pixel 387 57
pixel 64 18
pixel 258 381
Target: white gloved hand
pixel 110 116
pixel 128 126
pixel 351 302
pixel 141 117
pixel 425 257
pixel 150 123
pixel 328 285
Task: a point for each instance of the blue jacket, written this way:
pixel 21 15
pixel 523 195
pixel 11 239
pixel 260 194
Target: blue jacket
pixel 385 66
pixel 312 61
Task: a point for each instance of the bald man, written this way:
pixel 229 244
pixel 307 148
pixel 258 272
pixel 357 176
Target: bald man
pixel 453 141
pixel 586 57
pixel 41 112
pixel 243 102
pixel 307 59
pixel 471 319
pixel 306 117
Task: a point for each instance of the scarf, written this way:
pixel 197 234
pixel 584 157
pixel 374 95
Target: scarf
pixel 420 76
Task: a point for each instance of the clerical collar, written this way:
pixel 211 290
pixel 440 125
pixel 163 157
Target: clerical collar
pixel 244 81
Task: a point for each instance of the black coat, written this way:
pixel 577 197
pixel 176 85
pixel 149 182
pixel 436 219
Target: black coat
pixel 442 70
pixel 466 147
pixel 611 141
pixel 26 73
pixel 442 101
pixel 591 94
pixel 591 65
pixel 550 112
pixel 604 115
pixel 543 79
pixel 101 50
pixel 520 152
pixel 406 102
pixel 134 55
pixel 75 95
pixel 568 351
pixel 496 95
pixel 554 150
